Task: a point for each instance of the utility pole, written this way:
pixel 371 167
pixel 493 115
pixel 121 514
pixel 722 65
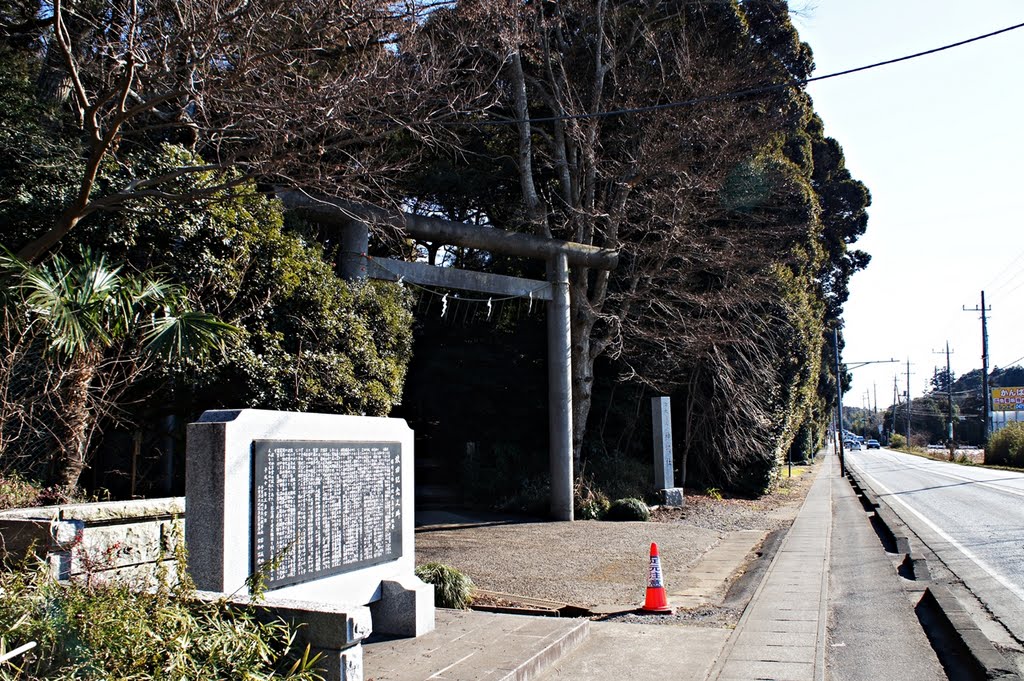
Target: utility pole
pixel 949 396
pixel 895 407
pixel 985 397
pixel 908 402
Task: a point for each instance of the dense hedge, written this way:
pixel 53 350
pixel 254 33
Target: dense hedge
pixel 1006 448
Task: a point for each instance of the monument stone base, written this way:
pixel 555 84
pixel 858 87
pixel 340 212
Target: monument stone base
pixel 399 599
pixel 673 496
pixel 332 631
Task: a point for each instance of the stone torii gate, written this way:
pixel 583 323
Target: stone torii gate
pixel 352 222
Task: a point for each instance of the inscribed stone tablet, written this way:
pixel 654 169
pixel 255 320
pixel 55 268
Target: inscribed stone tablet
pixel 322 507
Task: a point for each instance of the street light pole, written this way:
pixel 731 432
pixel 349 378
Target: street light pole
pixel 839 395
pixel 839 405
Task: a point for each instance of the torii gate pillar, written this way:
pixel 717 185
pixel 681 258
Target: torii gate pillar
pixel 560 389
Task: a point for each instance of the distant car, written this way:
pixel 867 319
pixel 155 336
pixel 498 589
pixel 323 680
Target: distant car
pixel 852 444
pixel 873 444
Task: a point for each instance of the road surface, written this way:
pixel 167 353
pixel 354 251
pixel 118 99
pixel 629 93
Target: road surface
pixel 972 519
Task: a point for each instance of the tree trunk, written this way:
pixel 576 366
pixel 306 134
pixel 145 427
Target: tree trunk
pixel 73 435
pixel 581 325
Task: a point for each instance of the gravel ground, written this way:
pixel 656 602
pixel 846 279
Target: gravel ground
pixel 599 564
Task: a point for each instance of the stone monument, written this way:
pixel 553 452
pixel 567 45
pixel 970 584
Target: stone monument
pixel 664 476
pixel 322 507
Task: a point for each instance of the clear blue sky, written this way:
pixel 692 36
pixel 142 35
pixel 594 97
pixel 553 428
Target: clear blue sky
pixel 939 141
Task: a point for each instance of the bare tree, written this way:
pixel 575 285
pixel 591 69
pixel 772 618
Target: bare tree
pixel 307 93
pixel 605 157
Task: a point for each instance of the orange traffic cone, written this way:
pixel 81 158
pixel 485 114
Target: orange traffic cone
pixel 657 601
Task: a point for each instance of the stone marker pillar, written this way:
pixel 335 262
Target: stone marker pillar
pixel 664 479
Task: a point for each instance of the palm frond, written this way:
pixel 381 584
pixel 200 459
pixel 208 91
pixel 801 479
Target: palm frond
pixel 187 333
pixel 50 295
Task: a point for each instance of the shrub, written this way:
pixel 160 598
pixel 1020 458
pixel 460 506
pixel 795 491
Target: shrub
pixel 898 441
pixel 452 588
pixel 628 509
pixel 1006 448
pixel 88 630
pixel 590 502
pixel 16 492
pixel 594 507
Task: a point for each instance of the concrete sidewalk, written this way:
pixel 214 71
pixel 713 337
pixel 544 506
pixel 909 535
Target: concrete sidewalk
pixel 781 634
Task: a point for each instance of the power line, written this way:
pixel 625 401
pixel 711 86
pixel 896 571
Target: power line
pixel 1020 256
pixel 756 90
pixel 1010 364
pixel 1014 288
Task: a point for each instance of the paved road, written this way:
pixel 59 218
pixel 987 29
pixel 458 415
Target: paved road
pixel 972 518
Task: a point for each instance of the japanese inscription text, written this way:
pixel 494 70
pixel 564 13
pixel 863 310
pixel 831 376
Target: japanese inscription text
pixel 322 507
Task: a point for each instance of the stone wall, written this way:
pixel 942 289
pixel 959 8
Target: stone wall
pixel 133 540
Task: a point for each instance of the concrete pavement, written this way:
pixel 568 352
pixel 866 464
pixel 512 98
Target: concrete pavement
pixel 781 635
pixel 469 645
pixel 859 621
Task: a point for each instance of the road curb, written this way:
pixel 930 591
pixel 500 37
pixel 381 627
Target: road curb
pixel 990 662
pixel 978 650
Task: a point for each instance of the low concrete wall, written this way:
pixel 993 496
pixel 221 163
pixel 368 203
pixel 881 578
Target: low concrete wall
pixel 129 539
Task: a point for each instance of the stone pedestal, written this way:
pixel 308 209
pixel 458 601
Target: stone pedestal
pixel 398 599
pixel 333 632
pixel 672 496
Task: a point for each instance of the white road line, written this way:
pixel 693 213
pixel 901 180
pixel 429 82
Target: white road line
pixel 1013 588
pixel 937 470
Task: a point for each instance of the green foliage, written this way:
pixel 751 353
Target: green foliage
pixel 714 493
pixel 1006 447
pixel 590 502
pixel 16 492
pixel 306 339
pixel 98 325
pixel 452 588
pixel 90 304
pixel 39 163
pixel 898 441
pixel 86 630
pixel 628 509
pixel 310 341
